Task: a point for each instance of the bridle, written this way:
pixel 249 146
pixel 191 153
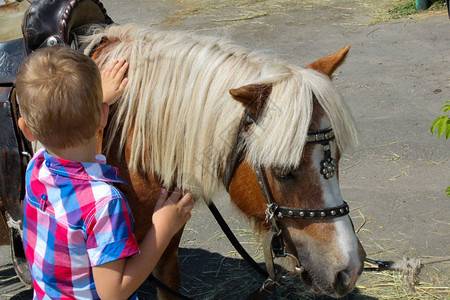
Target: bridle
pixel 274 246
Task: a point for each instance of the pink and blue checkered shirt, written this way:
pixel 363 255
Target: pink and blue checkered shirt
pixel 74 219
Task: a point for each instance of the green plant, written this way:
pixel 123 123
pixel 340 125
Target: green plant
pixel 407 8
pixel 403 10
pixel 442 124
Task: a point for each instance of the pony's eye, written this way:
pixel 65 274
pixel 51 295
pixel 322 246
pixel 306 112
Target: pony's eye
pixel 282 174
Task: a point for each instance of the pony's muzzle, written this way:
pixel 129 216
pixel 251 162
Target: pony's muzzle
pixel 345 281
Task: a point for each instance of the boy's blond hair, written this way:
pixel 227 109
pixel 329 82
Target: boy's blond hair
pixel 60 96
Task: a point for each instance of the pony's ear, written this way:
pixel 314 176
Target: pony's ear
pixel 252 96
pixel 329 64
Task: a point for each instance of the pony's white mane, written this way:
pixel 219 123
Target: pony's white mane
pixel 182 119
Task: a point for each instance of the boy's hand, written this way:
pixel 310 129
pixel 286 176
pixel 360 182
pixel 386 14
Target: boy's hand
pixel 172 213
pixel 113 83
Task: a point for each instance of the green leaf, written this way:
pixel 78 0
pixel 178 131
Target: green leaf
pixel 445 108
pixel 442 125
pixel 435 124
pixel 447 130
pixel 447 191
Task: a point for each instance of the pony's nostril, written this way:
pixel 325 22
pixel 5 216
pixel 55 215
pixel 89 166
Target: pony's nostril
pixel 342 283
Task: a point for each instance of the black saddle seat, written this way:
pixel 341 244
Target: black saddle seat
pixel 12 53
pixel 50 21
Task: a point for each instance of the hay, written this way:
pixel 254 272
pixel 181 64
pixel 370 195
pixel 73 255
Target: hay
pixel 390 285
pixel 244 18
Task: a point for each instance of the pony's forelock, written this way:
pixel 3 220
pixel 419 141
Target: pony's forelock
pixel 182 121
pixel 279 137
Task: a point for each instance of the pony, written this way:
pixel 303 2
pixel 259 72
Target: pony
pixel 178 121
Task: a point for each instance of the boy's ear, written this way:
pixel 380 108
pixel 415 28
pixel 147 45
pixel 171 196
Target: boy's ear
pixel 104 115
pixel 26 130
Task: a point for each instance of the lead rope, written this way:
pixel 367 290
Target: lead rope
pixel 409 268
pixel 272 276
pixel 234 241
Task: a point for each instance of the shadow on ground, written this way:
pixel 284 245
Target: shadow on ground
pixel 204 275
pixel 207 275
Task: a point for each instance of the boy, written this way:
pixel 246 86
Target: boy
pixel 78 235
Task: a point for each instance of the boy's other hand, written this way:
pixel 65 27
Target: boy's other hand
pixel 171 213
pixel 113 81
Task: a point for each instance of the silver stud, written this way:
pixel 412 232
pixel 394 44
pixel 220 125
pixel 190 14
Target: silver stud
pixel 52 41
pixel 333 212
pixel 347 209
pixel 302 214
pixel 341 210
pixel 323 214
pixel 280 215
pixel 311 214
pixel 290 212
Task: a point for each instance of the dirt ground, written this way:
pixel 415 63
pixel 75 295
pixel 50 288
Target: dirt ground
pixel 396 79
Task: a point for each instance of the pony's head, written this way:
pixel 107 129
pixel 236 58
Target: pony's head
pixel 330 254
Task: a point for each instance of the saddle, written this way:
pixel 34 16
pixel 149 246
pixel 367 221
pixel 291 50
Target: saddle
pixel 45 23
pixel 48 22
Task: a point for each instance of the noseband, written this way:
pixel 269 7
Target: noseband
pixel 274 243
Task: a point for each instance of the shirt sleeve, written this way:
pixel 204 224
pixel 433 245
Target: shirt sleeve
pixel 110 233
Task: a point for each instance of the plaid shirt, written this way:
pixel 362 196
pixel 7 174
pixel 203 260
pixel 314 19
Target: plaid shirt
pixel 74 219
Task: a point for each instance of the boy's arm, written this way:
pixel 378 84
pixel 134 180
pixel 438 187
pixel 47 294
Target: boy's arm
pixel 121 278
pixel 113 81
